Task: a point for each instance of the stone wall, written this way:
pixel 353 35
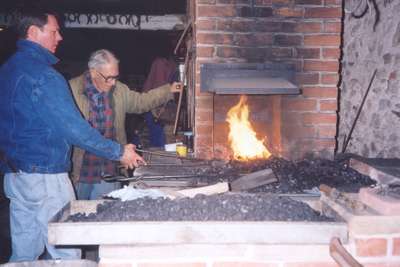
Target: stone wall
pixel 377 132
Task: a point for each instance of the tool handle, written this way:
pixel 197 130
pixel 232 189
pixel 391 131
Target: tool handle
pixel 178 108
pixel 340 254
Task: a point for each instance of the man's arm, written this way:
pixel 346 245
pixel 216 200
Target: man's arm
pixel 143 102
pixel 55 104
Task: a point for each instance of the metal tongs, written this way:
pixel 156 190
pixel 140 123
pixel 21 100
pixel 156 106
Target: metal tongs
pixel 120 178
pixel 167 155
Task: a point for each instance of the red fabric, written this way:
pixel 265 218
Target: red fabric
pixel 160 72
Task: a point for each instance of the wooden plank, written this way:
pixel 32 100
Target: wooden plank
pixel 206 190
pixel 254 180
pixel 185 232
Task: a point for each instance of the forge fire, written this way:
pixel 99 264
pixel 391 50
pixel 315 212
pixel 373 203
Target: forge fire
pixel 242 137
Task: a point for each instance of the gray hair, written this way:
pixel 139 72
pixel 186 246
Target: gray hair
pixel 100 58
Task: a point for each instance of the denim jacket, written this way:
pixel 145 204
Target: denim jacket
pixel 39 121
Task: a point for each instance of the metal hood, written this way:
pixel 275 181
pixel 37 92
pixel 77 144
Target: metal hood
pixel 248 78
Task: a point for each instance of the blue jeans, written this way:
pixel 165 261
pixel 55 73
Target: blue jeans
pixel 34 199
pixel 85 191
pixel 156 130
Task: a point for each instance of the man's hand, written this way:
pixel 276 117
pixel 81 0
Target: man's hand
pixel 130 158
pixel 176 87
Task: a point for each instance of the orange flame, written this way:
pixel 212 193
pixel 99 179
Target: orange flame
pixel 242 137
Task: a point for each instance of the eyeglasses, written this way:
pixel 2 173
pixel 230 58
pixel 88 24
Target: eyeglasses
pixel 108 78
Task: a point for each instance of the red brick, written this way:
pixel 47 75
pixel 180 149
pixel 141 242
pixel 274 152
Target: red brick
pixel 204 129
pixel 204 116
pixel 254 40
pixel 373 247
pixel 263 2
pixel 272 26
pixel 317 145
pixel 204 102
pixel 279 53
pixel 321 92
pixel 320 65
pixel 319 118
pixel 262 39
pixel 253 54
pixel 328 105
pixel 330 78
pixel 214 38
pixel 293 132
pixel 307 78
pixel 332 27
pixel 331 53
pixel 334 2
pixel 299 104
pixel 322 40
pixel 204 140
pixel 289 12
pixel 216 11
pixel 281 2
pixel 287 27
pixel 287 40
pixel 208 24
pixel 309 53
pixel 244 264
pixel 326 131
pixel 233 2
pixel 235 25
pixel 308 27
pixel 308 2
pixel 291 118
pixel 323 12
pixel 229 52
pixel 203 51
pixel 201 93
pixel 189 264
pixel 396 246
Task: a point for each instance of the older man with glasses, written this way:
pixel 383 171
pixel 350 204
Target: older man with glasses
pixel 104 102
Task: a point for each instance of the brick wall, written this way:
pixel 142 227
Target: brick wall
pixel 303 33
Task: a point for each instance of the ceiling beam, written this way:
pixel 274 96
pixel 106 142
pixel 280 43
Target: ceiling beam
pixel 116 21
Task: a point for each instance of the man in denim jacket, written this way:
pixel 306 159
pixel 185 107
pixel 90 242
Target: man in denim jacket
pixel 39 123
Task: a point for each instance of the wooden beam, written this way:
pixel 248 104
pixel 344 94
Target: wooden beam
pixel 116 21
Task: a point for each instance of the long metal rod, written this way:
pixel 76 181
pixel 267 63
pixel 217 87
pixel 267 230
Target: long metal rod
pixel 359 112
pixel 181 92
pixel 167 155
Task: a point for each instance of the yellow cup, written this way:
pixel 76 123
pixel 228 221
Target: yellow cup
pixel 181 150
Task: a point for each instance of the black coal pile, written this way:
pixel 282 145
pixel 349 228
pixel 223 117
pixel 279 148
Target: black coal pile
pixel 261 203
pixel 295 177
pixel 222 207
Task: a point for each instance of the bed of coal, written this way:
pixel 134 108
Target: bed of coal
pixel 265 203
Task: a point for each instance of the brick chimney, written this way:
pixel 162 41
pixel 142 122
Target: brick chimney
pixel 303 33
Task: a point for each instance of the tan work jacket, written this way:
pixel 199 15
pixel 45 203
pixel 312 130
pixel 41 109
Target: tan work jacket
pixel 123 101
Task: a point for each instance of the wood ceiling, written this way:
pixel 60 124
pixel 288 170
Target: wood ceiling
pixel 137 7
